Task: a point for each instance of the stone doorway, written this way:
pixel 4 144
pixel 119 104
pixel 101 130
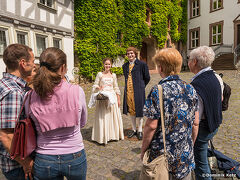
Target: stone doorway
pixel 143 52
pixel 147 52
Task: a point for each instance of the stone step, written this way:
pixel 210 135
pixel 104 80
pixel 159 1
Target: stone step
pixel 224 62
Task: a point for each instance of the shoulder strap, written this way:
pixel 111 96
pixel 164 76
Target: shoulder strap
pixel 24 101
pixel 160 93
pixel 29 102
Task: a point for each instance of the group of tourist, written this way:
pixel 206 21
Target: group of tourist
pixel 192 112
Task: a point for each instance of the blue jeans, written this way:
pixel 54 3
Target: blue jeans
pixel 15 174
pixel 202 170
pixel 55 167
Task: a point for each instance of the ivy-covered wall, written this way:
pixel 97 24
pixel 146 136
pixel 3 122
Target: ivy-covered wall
pixel 105 28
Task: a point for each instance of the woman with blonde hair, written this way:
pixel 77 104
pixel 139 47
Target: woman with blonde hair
pixel 58 110
pixel 180 106
pixel 107 124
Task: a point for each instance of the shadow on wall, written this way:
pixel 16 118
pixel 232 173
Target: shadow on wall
pixel 133 175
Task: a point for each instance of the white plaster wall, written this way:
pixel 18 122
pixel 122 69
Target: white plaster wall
pixel 69 8
pixel 25 5
pixel 52 18
pixel 11 6
pixel 11 35
pixel 43 15
pixel 66 21
pixel 33 44
pixel 231 9
pixel 59 10
pixel 68 49
pixel 2 67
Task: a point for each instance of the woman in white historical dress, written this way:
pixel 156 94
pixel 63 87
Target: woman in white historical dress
pixel 107 124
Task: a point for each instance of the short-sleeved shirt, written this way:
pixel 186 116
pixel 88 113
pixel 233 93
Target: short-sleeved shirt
pixel 12 91
pixel 180 104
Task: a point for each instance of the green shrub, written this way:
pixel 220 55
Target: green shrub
pixel 105 28
pixel 117 70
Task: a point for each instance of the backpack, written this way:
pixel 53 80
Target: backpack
pixel 226 95
pixel 222 165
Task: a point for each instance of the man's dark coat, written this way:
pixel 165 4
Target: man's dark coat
pixel 140 78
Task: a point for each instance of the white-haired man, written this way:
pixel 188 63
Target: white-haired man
pixel 209 90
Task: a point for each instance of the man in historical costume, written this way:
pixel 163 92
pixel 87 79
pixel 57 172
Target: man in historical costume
pixel 137 76
pixel 19 60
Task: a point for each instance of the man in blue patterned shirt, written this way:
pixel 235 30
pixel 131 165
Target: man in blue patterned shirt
pixel 19 60
pixel 180 103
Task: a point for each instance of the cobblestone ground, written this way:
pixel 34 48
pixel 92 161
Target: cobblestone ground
pixel 121 160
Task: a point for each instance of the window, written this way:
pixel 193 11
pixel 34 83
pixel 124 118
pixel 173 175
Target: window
pixel 194 8
pixel 57 43
pixel 194 36
pixel 22 37
pixel 216 33
pixel 41 44
pixel 49 3
pixel 3 39
pixel 216 5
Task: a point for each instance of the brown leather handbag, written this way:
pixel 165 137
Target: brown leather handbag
pixel 100 96
pixel 24 139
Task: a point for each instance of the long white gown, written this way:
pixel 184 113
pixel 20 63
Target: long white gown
pixel 107 124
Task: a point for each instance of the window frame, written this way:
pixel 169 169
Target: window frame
pixel 211 6
pixel 211 33
pixel 45 6
pixel 190 37
pixel 6 30
pixel 36 43
pixel 191 8
pixel 60 43
pixel 26 33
